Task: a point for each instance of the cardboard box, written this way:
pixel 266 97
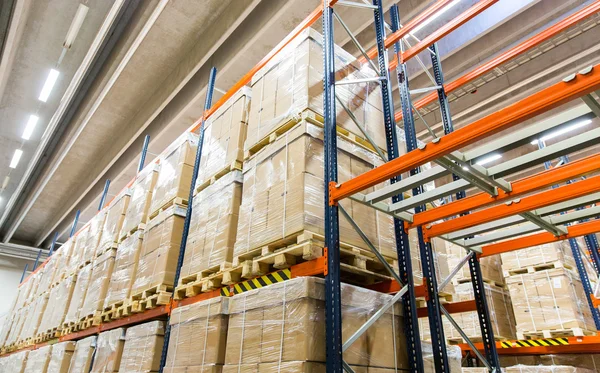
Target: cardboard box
pixel 143 348
pixel 99 282
pixel 33 317
pixel 198 336
pixel 491 266
pixel 115 215
pixel 284 189
pixel 95 235
pixel 125 268
pixel 284 322
pixel 454 354
pixel 550 299
pixel 109 350
pixel 292 82
pixel 546 369
pixel 82 356
pixel 58 303
pixel 536 255
pixel 175 174
pixel 224 136
pixel 440 257
pixel 14 363
pixel 141 197
pixel 160 250
pixel 81 286
pixel 86 243
pixel 213 226
pixel 62 266
pixel 47 274
pixel 60 360
pixel 38 360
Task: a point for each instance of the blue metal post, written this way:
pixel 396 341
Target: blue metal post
pixel 411 324
pixel 104 194
pixel 53 244
pixel 37 259
pixel 186 225
pixel 75 221
pixel 24 271
pixel 144 151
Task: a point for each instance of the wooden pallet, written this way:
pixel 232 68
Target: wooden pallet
pixel 177 201
pixel 536 268
pixel 463 280
pixel 203 281
pixel 153 297
pixel 47 335
pixel 112 312
pixel 555 333
pixel 139 227
pixel 235 165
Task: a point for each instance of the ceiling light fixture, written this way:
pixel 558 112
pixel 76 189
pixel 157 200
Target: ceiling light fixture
pixel 33 119
pixel 435 16
pixel 48 85
pixel 562 131
pixel 75 26
pixel 489 159
pixel 5 182
pixel 15 159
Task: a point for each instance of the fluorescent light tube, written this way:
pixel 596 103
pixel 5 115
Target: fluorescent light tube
pixel 5 182
pixel 15 159
pixel 435 16
pixel 75 26
pixel 489 159
pixel 48 85
pixel 563 131
pixel 33 119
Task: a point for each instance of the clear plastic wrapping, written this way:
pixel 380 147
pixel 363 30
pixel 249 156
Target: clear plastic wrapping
pixel 213 225
pixel 284 189
pixel 99 282
pixel 224 136
pixel 139 202
pixel 47 274
pixel 536 255
pixel 62 266
pixel 284 323
pixel 61 356
pixel 198 336
pixel 491 266
pixel 124 270
pixel 109 350
pixel 550 299
pixel 586 361
pixel 81 286
pixel 82 356
pixel 95 235
pixel 38 360
pixel 293 82
pixel 7 323
pixel 546 369
pixel 26 289
pixel 454 354
pixel 160 250
pixel 143 348
pixel 58 303
pixel 33 317
pixel 14 363
pixel 17 326
pixel 115 215
pixel 440 258
pixel 175 174
pixel 80 250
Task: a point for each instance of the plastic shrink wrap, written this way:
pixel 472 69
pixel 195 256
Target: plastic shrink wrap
pixel 96 232
pixel 34 317
pixel 549 299
pixel 537 255
pixel 99 282
pixel 160 250
pixel 224 136
pixel 14 363
pixel 60 360
pixel 143 348
pixel 115 215
pixel 82 356
pixel 139 202
pixel 283 193
pixel 454 354
pixel 440 259
pixel 213 225
pixel 57 307
pixel 491 266
pixel 79 251
pixel 17 326
pixel 47 274
pixel 38 360
pixel 81 286
pixel 292 84
pixel 62 266
pixel 546 369
pixel 175 174
pixel 198 337
pixel 124 270
pixel 586 361
pixel 26 292
pixel 109 350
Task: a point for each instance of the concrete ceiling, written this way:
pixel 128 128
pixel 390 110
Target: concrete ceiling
pixel 154 81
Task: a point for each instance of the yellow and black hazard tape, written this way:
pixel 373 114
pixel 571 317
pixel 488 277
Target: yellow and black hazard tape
pixel 259 282
pixel 536 342
pixel 225 292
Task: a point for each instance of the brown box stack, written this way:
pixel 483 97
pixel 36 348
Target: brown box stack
pixel 47 274
pixel 175 174
pixel 81 285
pixel 546 369
pixel 62 266
pixel 558 252
pixel 160 250
pixel 491 266
pixel 60 360
pixel 198 337
pixel 440 258
pixel 94 236
pixel 283 323
pixel 139 202
pixel 58 303
pixel 124 270
pixel 38 360
pixel 213 225
pixel 115 215
pixel 79 250
pixel 98 285
pixel 14 363
pixel 549 300
pixel 82 357
pixel 283 193
pixel 143 348
pixel 109 350
pixel 292 82
pixel 33 317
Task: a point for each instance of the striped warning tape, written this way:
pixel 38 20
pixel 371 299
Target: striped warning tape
pixel 259 282
pixel 535 342
pixel 225 292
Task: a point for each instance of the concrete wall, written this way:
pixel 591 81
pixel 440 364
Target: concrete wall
pixel 11 270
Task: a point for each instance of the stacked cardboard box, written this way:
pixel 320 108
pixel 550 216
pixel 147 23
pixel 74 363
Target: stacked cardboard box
pixel 143 348
pixel 79 251
pixel 95 235
pixel 14 363
pixel 98 286
pixel 124 270
pixel 33 317
pixel 198 337
pixel 83 355
pixel 491 266
pixel 60 360
pixel 454 354
pixel 58 303
pixel 283 324
pixel 38 360
pixel 160 250
pixel 62 266
pixel 546 369
pixel 586 361
pixel 115 215
pixel 175 174
pixel 292 82
pixel 109 350
pixel 559 252
pixel 47 274
pixel 440 258
pixel 81 285
pixel 139 202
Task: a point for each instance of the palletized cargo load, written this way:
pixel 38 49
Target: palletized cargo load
pixel 491 266
pixel 14 363
pixel 140 200
pixel 143 348
pixel 113 223
pixel 83 355
pixel 109 350
pixel 546 369
pixel 81 286
pixel 97 288
pixel 56 309
pixel 62 266
pixel 38 360
pixel 546 256
pixel 33 318
pixel 61 356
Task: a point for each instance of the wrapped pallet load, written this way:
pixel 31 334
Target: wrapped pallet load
pixel 83 355
pixel 15 363
pixel 98 286
pixel 109 350
pixel 139 202
pixel 546 255
pixel 546 369
pixel 81 286
pixel 143 348
pixel 56 310
pixel 33 318
pixel 47 274
pixel 80 251
pixel 124 270
pixel 61 356
pixel 38 360
pixel 113 223
pixel 491 266
pixel 62 266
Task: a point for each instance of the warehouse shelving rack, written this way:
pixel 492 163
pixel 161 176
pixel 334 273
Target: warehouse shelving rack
pixel 448 146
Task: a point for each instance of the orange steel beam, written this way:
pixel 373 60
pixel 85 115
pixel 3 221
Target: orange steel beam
pixel 573 231
pixel 518 206
pixel 455 307
pixel 523 186
pixel 509 54
pixel 576 345
pixel 508 117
